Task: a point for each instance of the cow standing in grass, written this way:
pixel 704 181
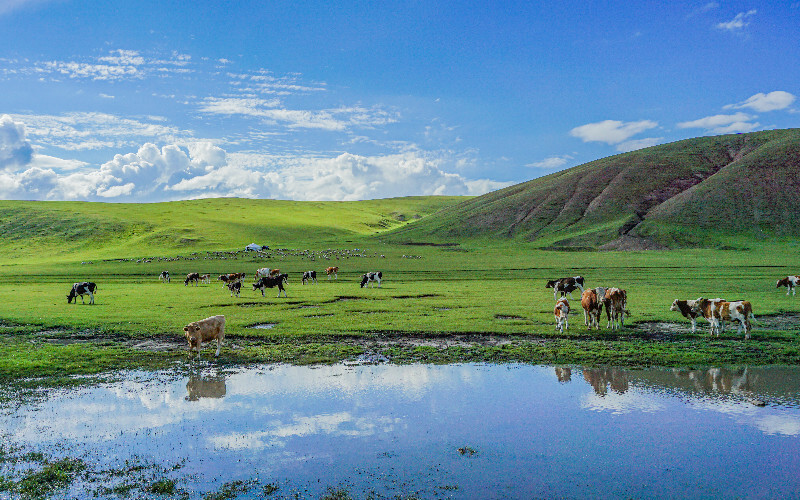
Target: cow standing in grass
pixel 790 282
pixel 561 313
pixel 205 330
pixel 191 278
pixel 81 289
pixel 371 278
pixel 592 307
pixel 164 276
pixel 271 282
pixel 235 288
pixel 332 271
pixel 565 286
pixel 310 276
pixel 615 301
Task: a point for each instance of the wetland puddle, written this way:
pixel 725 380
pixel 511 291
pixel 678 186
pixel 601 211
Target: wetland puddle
pixel 454 431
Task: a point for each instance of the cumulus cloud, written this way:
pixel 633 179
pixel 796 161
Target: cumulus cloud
pixel 611 131
pixel 773 101
pixel 723 124
pixel 551 162
pixel 738 22
pixel 202 170
pixel 15 150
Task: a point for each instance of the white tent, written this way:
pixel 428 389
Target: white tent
pixel 252 247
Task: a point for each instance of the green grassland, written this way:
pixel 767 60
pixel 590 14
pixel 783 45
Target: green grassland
pixel 474 299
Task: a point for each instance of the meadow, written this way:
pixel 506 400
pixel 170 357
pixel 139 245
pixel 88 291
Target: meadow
pixel 439 302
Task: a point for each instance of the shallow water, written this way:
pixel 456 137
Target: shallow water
pixel 522 431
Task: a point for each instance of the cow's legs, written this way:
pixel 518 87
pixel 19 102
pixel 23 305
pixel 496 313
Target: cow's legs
pixel 219 343
pixel 91 298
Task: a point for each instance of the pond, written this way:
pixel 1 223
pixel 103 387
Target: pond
pixel 424 431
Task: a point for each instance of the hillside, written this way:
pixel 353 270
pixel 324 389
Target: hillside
pixel 94 230
pixel 695 192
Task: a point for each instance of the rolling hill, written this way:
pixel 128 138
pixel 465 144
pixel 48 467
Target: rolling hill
pixel 50 229
pixel 698 192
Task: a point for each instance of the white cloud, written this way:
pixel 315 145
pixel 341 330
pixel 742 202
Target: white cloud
pixel 611 131
pixel 773 101
pixel 15 150
pixel 90 131
pixel 551 163
pixel 202 170
pixel 738 22
pixel 633 145
pixel 723 124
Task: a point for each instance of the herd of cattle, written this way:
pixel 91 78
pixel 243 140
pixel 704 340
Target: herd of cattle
pixel 615 300
pixel 593 300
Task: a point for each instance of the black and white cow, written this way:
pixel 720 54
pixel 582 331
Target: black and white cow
pixel 310 276
pixel 565 286
pixel 84 288
pixel 235 288
pixel 164 276
pixel 371 278
pixel 191 278
pixel 271 282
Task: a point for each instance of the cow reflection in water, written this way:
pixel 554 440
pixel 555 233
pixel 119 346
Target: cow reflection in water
pixel 601 378
pixel 563 374
pixel 200 386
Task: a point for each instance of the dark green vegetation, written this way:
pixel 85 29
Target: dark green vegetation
pixel 722 191
pixel 463 281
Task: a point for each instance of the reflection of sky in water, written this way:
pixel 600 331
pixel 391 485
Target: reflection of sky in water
pixel 396 429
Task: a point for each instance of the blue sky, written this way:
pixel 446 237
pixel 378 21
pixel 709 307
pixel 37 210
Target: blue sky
pixel 155 101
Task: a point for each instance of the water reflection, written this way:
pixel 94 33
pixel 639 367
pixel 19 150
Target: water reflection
pixel 396 430
pixel 205 386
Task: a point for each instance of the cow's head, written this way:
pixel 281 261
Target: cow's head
pixel 192 332
pixel 782 282
pixel 551 284
pixel 71 296
pixel 364 280
pixel 674 306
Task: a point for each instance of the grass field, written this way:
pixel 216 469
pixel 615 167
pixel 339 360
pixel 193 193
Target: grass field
pixel 470 300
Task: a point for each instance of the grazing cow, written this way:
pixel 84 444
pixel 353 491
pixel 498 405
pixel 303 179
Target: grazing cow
pixel 231 278
pixel 741 311
pixel 264 271
pixel 790 282
pixel 709 308
pixel 592 307
pixel 565 286
pixel 616 302
pixel 205 278
pixel 310 276
pixel 164 276
pixel 271 282
pixel 192 277
pixel 83 288
pixel 371 278
pixel 205 330
pixel 689 309
pixel 235 288
pixel 332 271
pixel 561 313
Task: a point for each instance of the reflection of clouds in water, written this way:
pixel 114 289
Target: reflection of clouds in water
pixel 617 403
pixel 786 425
pixel 747 414
pixel 337 424
pixel 411 381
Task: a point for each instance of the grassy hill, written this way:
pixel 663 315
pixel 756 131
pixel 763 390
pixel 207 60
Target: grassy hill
pixel 51 230
pixel 707 191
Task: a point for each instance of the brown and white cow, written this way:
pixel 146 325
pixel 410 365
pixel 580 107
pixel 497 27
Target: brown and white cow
pixel 689 309
pixel 332 271
pixel 565 286
pixel 790 282
pixel 264 271
pixel 205 330
pixel 740 311
pixel 710 308
pixel 561 313
pixel 616 302
pixel 205 278
pixel 592 307
pixel 231 278
pixel 191 278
